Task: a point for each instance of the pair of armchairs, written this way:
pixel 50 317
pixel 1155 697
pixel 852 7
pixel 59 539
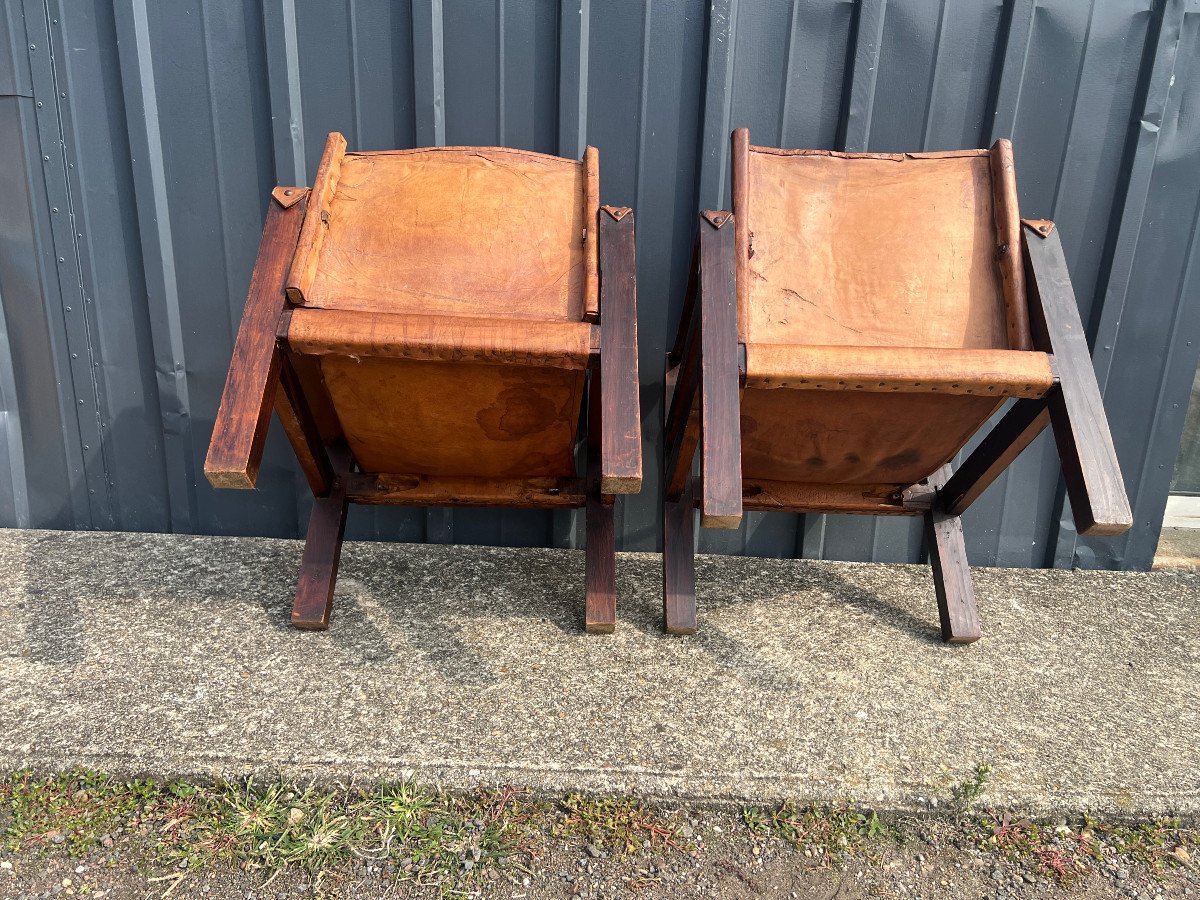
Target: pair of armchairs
pixel 457 327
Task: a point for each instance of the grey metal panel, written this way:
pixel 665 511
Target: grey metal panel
pixel 44 464
pixel 1148 334
pixel 178 118
pixel 113 284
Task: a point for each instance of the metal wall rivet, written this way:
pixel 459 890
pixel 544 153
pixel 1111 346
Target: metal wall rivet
pixel 33 46
pixel 39 104
pixel 54 209
pixel 68 309
pixel 74 356
pixel 62 259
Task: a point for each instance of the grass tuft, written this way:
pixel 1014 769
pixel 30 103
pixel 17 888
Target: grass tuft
pixel 828 833
pixel 620 825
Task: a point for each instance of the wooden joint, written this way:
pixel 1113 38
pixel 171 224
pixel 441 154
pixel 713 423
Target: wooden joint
pixel 287 197
pixel 1040 227
pixel 282 328
pixel 716 217
pixel 617 212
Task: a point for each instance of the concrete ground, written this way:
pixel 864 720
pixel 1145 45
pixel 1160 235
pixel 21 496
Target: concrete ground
pixel 1178 550
pixel 465 666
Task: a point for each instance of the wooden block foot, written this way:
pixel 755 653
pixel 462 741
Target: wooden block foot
pixel 322 551
pixel 600 549
pixel 951 574
pixel 679 564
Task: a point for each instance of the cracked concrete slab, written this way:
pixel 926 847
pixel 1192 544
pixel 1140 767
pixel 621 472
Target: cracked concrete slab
pixel 464 666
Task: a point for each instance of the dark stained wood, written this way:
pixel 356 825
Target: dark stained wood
pixel 322 552
pixel 302 431
pixel 720 427
pixel 600 564
pixel 312 382
pixel 683 404
pixel 433 490
pixel 600 547
pixel 621 445
pixel 679 563
pixel 951 573
pixel 687 316
pixel 1085 446
pixel 240 428
pixel 853 499
pixel 681 429
pixel 995 453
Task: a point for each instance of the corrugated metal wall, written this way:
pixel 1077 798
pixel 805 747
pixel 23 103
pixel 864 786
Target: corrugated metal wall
pixel 141 140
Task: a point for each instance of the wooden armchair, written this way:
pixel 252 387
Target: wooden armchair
pixel 430 327
pixel 848 328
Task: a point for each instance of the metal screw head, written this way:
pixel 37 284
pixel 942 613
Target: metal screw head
pixel 54 209
pixel 33 46
pixel 39 104
pixel 62 259
pixel 69 309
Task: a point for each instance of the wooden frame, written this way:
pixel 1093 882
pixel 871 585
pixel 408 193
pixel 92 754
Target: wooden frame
pixel 707 383
pixel 277 363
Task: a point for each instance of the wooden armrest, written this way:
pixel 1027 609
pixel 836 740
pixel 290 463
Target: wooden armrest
pixel 240 430
pixel 1085 446
pixel 720 413
pixel 564 345
pixel 620 417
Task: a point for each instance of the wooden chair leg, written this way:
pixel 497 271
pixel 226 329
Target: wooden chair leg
pixel 951 574
pixel 318 571
pixel 322 552
pixel 600 563
pixel 679 563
